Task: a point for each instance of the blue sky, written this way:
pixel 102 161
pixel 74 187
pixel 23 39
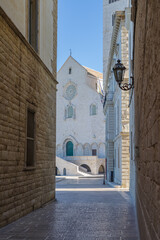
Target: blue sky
pixel 80 28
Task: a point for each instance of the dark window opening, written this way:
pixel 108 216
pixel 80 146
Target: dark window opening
pixel 113 18
pixel 70 70
pixel 94 152
pixel 112 1
pixel 64 171
pixel 33 24
pixel 30 139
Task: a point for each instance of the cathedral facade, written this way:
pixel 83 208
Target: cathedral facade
pixel 80 120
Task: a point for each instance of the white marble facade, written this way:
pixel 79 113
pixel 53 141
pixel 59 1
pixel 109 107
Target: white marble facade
pixel 80 118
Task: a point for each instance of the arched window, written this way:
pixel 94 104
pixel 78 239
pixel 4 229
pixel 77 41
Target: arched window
pixel 93 109
pixel 87 150
pixel 69 112
pixel 69 148
pixel 79 150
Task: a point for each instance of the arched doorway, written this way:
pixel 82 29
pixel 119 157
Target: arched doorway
pixel 64 171
pixel 101 169
pixel 86 167
pixel 57 172
pixel 69 149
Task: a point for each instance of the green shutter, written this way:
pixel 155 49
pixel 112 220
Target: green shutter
pixel 70 112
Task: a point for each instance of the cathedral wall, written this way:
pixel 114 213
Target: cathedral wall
pixel 83 128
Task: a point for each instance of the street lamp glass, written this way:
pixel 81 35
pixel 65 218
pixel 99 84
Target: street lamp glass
pixel 119 70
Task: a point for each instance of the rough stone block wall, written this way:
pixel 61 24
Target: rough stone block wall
pixel 24 81
pixel 147 117
pixel 125 160
pixel 125 155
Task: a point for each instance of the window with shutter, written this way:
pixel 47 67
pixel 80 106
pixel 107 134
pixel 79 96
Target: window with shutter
pixel 33 24
pixel 30 138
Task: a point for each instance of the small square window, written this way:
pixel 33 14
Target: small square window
pixel 94 152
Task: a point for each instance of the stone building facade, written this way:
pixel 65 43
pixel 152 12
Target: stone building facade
pixel 43 34
pixel 116 107
pixel 109 9
pixel 80 119
pixel 145 15
pixel 27 112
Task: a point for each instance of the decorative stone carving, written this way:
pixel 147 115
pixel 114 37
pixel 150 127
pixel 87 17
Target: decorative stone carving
pixel 70 91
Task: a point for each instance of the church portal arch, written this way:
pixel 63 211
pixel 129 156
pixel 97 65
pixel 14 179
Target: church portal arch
pixel 66 145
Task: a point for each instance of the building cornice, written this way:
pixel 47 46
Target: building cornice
pixel 121 134
pixel 119 16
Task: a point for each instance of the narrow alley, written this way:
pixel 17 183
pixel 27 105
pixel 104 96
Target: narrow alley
pixel 84 209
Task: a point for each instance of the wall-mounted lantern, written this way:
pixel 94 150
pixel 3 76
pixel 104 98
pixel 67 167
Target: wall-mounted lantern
pixel 119 70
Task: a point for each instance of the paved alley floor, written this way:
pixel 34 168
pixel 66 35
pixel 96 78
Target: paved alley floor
pixel 85 209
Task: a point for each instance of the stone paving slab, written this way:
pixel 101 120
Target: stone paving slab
pixel 78 215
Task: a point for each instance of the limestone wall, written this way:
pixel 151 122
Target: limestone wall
pixel 147 120
pixel 25 82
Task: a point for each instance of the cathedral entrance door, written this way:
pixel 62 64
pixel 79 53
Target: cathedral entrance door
pixel 69 149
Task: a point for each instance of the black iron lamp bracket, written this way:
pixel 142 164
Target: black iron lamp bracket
pixel 127 86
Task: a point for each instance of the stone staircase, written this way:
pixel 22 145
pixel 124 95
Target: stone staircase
pixel 71 168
